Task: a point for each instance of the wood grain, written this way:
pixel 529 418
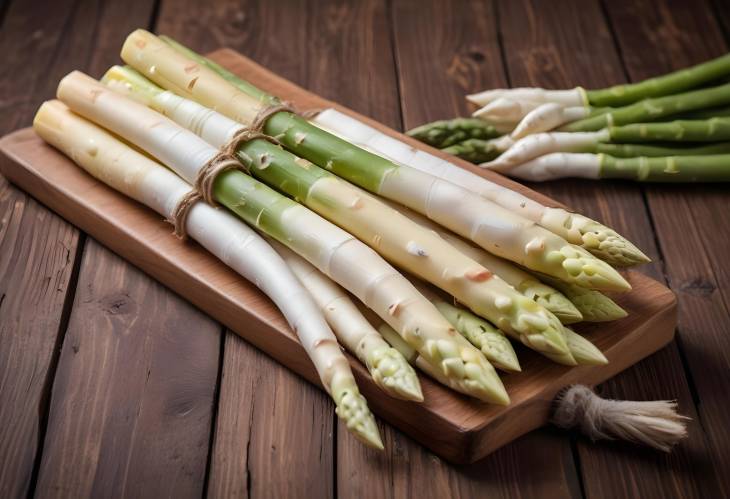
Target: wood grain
pixel 254 456
pixel 38 250
pixel 133 393
pixel 547 57
pixel 271 431
pixel 444 53
pixel 686 220
pixel 459 429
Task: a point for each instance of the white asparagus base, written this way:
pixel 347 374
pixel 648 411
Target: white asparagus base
pixel 386 365
pixel 229 239
pixel 572 97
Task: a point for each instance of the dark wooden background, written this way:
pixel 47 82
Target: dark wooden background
pixel 111 385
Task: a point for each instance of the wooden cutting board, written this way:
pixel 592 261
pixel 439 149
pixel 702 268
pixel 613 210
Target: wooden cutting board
pixel 454 427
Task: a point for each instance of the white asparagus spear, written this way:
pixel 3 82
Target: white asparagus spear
pixel 525 283
pixel 396 237
pixel 539 144
pixel 347 261
pixel 505 110
pixel 387 366
pixel 547 117
pixel 148 182
pixel 558 165
pixel 574 227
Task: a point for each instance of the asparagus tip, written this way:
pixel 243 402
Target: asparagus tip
pixel 352 408
pixel 392 372
pixel 585 352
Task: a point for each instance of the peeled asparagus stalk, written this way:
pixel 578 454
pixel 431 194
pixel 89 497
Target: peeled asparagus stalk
pixel 557 165
pixel 576 228
pixel 392 234
pixel 343 258
pixel 523 282
pixel 594 306
pixel 386 365
pixel 139 177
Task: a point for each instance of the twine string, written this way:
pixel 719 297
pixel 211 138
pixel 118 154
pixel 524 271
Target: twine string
pixel 226 160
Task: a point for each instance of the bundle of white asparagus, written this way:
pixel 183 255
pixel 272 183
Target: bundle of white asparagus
pixel 452 266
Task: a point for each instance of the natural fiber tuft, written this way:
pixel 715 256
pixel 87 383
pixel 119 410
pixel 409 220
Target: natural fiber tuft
pixel 653 423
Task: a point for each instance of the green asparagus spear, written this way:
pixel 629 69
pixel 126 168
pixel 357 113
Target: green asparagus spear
pixel 711 130
pixel 445 133
pixel 652 151
pixel 703 114
pixel 474 150
pixel 672 83
pixel 714 168
pixel 654 108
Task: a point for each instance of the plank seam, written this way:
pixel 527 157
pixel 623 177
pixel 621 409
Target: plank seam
pixel 44 406
pixel 396 62
pixel 215 410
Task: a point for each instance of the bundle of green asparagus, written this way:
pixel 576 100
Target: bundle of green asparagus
pixel 452 268
pixel 672 128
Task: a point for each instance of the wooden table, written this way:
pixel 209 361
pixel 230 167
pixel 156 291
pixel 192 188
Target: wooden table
pixel 111 385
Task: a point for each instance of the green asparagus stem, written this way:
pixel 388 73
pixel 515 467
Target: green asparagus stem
pixel 593 305
pixel 711 130
pixel 653 151
pixel 474 150
pixel 704 114
pixel 655 108
pixel 445 133
pixel 480 333
pixel 672 83
pixel 668 169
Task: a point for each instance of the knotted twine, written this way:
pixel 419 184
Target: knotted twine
pixel 226 160
pixel 653 423
pixel 223 161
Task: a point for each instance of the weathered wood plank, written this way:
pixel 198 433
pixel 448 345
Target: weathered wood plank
pixel 692 231
pixel 133 394
pixel 549 57
pixel 38 250
pixel 288 424
pixel 268 440
pixel 442 54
